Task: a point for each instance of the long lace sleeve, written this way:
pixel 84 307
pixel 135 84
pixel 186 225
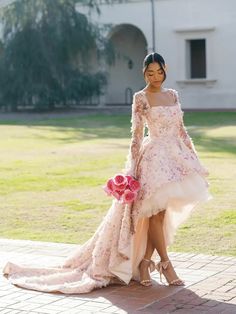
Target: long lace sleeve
pixel 185 137
pixel 137 130
pixel 183 133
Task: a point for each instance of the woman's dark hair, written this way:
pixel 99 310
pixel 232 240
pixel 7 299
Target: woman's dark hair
pixel 152 58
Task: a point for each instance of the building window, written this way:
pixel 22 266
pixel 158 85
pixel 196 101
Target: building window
pixel 196 58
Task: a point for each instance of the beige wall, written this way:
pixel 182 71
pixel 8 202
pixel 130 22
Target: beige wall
pixel 177 21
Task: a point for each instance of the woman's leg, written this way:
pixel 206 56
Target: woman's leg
pixel 149 249
pixel 144 264
pixel 157 238
pixel 157 234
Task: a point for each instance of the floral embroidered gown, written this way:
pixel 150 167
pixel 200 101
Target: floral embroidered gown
pixel 172 179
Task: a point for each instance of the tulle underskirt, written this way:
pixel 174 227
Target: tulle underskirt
pixel 178 199
pixel 177 195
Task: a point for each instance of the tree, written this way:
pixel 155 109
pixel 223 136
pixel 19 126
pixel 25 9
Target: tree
pixel 46 51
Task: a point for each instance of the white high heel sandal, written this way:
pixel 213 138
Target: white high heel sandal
pixel 163 265
pixel 151 267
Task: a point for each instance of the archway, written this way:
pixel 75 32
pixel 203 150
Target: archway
pixel 125 75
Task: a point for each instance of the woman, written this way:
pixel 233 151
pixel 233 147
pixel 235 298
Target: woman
pixel 172 183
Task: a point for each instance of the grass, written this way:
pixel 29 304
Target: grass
pixel 52 172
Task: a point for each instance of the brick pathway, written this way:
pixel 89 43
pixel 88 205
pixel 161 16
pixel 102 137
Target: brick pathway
pixel 210 286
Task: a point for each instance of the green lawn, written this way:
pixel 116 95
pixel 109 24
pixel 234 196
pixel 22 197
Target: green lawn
pixel 52 172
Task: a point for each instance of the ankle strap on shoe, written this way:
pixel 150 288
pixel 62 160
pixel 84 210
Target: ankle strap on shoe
pixel 164 264
pixel 160 266
pixel 151 263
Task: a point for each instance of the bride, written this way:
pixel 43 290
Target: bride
pixel 172 183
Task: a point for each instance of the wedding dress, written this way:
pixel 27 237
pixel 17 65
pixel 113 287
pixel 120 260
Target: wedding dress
pixel 172 179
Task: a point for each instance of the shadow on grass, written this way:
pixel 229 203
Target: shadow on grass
pixel 215 145
pixel 222 118
pixel 97 126
pixel 80 127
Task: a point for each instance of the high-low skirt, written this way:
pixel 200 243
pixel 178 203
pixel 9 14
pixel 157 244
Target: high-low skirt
pixel 172 179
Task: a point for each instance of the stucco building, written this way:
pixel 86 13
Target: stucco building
pixel 196 38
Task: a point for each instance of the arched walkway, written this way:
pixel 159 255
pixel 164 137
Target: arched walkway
pixel 125 75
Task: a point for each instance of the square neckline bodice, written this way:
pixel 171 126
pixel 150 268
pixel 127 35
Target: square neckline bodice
pixel 159 106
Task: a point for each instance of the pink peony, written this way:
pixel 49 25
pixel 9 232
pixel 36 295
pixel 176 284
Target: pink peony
pixel 123 188
pixel 129 178
pixel 117 194
pixel 109 188
pixel 120 182
pixel 110 184
pixel 134 185
pixel 129 196
pixel 120 179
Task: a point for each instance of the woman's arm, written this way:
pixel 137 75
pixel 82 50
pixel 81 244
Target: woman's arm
pixel 137 130
pixel 182 129
pixel 185 137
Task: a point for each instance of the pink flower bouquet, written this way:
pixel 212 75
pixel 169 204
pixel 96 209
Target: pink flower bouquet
pixel 123 188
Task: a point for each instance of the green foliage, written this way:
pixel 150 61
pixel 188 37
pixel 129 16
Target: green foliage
pixel 46 52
